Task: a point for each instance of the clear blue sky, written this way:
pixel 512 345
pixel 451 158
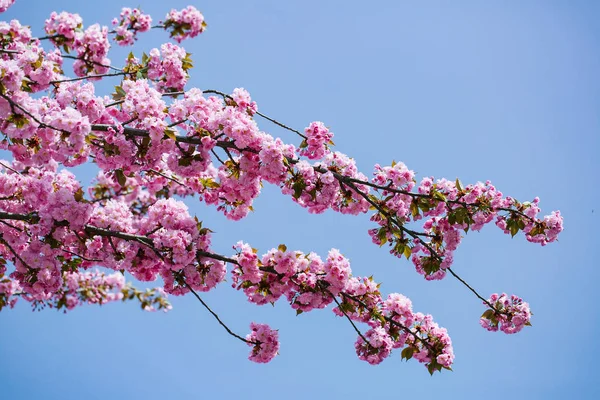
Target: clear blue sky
pixel 506 91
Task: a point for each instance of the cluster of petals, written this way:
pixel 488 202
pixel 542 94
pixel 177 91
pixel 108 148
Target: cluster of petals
pixel 448 209
pixel 64 28
pixel 318 137
pixel 308 283
pixel 166 67
pixel 264 342
pixel 510 314
pixel 5 4
pixel 130 22
pixel 153 148
pixel 187 23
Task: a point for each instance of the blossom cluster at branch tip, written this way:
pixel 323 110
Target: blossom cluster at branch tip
pixel 130 22
pixel 5 4
pixel 157 143
pixel 187 23
pixel 318 138
pixel 264 342
pixel 308 283
pixel 510 314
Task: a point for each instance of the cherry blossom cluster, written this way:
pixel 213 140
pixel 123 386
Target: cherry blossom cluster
pixel 449 209
pixel 187 23
pixel 242 100
pixel 155 141
pixel 66 30
pixel 168 67
pixel 130 22
pixel 509 314
pixel 4 4
pixel 309 283
pixel 150 299
pixel 9 288
pixel 318 137
pixel 264 342
pixel 91 287
pixel 66 232
pixel 332 182
pixel 84 287
pixel 28 68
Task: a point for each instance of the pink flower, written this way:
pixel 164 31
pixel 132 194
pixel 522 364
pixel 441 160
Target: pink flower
pixel 186 23
pixel 4 4
pixel 318 137
pixel 264 342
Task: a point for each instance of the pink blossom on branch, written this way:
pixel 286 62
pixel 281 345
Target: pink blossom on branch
pixel 187 23
pixel 5 4
pixel 155 143
pixel 264 342
pixel 509 314
pixel 129 23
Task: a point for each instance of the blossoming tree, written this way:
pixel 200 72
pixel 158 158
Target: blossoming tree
pixel 156 142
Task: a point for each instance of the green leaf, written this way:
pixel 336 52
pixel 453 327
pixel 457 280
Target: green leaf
pixel 170 133
pixel 90 137
pixel 431 368
pixel 282 248
pixel 407 353
pixel 458 185
pixel 382 236
pixel 439 196
pixel 535 231
pixel 121 178
pixel 119 93
pixel 414 209
pixel 407 252
pixel 298 312
pixel 514 228
pixel 298 187
pixel 452 218
pixel 78 195
pixel 185 161
pixel 488 314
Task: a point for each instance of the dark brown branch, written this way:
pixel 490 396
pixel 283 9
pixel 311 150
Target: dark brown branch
pixel 80 256
pixel 390 320
pixel 181 280
pixel 475 292
pixel 9 168
pixel 345 314
pixel 17 256
pixel 90 62
pixel 165 176
pixel 226 96
pixel 79 78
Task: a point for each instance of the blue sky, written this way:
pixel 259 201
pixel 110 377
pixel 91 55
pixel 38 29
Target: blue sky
pixel 506 91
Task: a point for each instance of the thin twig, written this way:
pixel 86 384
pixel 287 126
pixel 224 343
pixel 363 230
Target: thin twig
pixel 17 256
pixel 474 291
pixel 91 62
pixel 165 176
pixel 12 169
pixel 79 78
pixel 345 314
pixel 214 314
pixel 80 256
